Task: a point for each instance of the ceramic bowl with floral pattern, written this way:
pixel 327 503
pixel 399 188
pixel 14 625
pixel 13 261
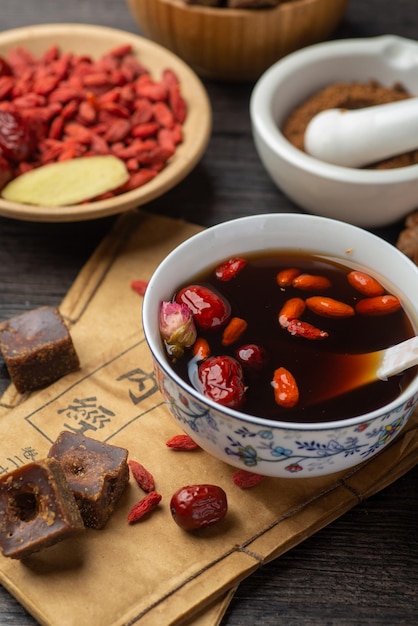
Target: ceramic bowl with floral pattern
pixel 266 446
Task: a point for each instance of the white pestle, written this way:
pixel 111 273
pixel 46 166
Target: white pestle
pixel 354 138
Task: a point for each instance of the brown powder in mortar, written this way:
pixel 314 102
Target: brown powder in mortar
pixel 347 96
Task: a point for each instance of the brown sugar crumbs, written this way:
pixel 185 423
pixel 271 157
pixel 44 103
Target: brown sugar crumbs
pixel 347 96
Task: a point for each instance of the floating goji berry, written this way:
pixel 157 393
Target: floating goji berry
pixel 245 479
pixel 144 506
pixel 378 305
pixel 201 349
pixel 286 277
pixel 233 331
pixel 291 310
pixel 286 392
pixel 365 284
pixel 311 282
pixel 181 443
pixel 143 477
pixel 303 329
pixel 329 307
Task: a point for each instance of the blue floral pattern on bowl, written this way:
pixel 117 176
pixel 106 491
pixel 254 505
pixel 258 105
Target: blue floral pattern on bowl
pixel 292 452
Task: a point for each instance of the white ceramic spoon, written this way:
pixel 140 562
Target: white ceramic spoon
pixel 362 369
pixel 354 138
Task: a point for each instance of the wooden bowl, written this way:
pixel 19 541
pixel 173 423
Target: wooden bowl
pixel 236 44
pixel 84 39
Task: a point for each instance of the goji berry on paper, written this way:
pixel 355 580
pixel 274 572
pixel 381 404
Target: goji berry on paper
pixel 143 477
pixel 144 506
pixel 181 442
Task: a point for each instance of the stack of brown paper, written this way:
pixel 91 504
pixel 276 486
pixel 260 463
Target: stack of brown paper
pixel 153 573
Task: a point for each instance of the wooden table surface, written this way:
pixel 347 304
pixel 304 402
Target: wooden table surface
pixel 361 569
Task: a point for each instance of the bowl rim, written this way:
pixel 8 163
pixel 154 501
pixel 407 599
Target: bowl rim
pixel 228 13
pixel 158 351
pixel 264 92
pixel 187 154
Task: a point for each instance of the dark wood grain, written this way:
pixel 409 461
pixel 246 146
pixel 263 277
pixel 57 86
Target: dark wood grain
pixel 361 569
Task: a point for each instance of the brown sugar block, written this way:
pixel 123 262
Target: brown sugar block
pixel 37 509
pixel 96 472
pixel 37 348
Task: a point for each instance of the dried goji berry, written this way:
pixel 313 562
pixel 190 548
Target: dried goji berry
pixel 163 114
pixel 144 506
pixel 118 131
pixel 139 286
pixel 166 141
pixel 152 90
pixel 146 129
pixel 181 443
pixel 139 178
pixel 78 131
pixel 244 479
pixel 56 127
pixel 143 477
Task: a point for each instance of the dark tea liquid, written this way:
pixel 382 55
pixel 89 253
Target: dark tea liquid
pixel 318 366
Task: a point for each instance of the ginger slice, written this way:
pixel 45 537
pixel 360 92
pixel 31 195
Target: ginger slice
pixel 67 182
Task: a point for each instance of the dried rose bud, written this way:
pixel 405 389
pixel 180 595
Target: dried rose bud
pixel 177 327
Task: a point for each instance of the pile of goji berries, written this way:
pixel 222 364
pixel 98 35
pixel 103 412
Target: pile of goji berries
pixel 62 106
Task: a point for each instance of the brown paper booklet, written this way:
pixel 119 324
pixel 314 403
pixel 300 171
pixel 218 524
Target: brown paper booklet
pixel 152 573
